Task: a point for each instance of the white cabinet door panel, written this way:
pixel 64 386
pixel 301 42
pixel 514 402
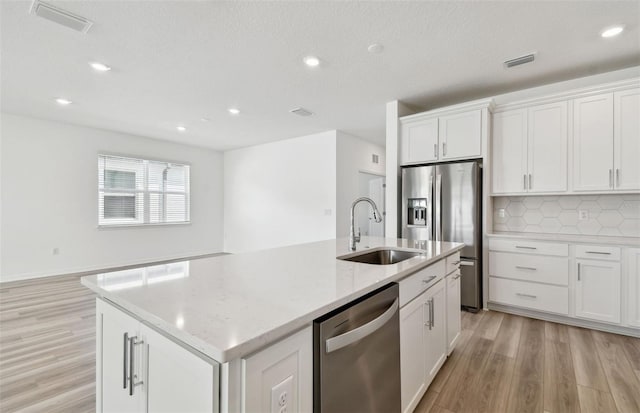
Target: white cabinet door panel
pixel 633 287
pixel 436 335
pixel 598 290
pixel 626 139
pixel 593 143
pixel 113 383
pixel 460 135
pixel 413 352
pixel 177 380
pixel 548 142
pixel 509 151
pixel 454 321
pixel 419 141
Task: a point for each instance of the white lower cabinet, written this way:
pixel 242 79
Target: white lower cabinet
pixel 598 290
pixel 454 321
pixel 139 370
pixel 280 377
pixel 633 287
pixel 423 346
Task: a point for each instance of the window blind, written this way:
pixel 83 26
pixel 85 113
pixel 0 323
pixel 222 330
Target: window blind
pixel 135 191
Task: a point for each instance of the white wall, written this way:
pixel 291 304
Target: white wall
pixel 280 193
pixel 49 175
pixel 353 156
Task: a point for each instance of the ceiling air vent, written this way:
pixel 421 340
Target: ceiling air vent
pixel 301 112
pixel 60 16
pixel 520 60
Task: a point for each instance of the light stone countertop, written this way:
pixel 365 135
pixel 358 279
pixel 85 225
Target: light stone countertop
pixel 582 239
pixel 232 305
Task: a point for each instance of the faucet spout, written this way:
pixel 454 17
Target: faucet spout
pixel 353 238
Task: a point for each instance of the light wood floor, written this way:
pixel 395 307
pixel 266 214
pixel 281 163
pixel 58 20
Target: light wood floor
pixel 503 363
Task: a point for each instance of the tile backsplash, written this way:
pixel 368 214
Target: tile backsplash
pixel 612 215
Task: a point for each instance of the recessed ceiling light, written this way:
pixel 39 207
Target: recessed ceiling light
pixel 311 61
pixel 234 111
pixel 181 128
pixel 99 67
pixel 375 48
pixel 612 31
pixel 63 101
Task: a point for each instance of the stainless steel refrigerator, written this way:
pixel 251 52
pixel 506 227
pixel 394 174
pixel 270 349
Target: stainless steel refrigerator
pixel 444 203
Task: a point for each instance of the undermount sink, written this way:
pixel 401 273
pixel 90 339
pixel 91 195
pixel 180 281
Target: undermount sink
pixel 382 257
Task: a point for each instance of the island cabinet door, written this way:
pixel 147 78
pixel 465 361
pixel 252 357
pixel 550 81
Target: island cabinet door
pixel 413 365
pixel 176 379
pixel 454 321
pixel 436 331
pixel 115 330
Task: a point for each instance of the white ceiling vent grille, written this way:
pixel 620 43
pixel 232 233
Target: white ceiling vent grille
pixel 60 16
pixel 301 112
pixel 520 60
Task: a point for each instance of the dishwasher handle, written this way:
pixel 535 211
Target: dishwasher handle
pixel 350 337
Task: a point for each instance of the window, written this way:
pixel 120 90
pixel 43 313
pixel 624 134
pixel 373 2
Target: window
pixel 139 191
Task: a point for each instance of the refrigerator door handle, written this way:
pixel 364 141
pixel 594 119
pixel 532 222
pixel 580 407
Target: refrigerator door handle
pixel 438 207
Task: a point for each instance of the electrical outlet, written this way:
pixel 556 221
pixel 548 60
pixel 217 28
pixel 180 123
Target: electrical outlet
pixel 583 214
pixel 501 213
pixel 281 396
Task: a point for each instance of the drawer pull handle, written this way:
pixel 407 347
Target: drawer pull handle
pixel 429 279
pixel 598 252
pixel 456 262
pixel 526 295
pixel 526 268
pixel 456 277
pixel 526 248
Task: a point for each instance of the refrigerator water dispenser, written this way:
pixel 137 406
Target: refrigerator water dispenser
pixel 417 213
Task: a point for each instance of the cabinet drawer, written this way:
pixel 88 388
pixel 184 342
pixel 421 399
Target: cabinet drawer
pixel 529 267
pixel 416 283
pixel 541 297
pixel 529 247
pixel 597 252
pixel 452 263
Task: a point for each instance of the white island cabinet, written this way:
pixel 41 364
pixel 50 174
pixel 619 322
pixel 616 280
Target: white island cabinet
pixel 217 336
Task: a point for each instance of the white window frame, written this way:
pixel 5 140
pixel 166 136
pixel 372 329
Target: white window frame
pixel 142 205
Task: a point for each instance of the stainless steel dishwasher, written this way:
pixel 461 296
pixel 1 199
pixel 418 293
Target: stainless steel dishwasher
pixel 356 356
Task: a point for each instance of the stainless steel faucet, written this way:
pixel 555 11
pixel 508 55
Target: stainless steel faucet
pixel 353 238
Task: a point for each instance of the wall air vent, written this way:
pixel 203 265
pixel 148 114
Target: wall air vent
pixel 375 158
pixel 520 60
pixel 60 16
pixel 301 112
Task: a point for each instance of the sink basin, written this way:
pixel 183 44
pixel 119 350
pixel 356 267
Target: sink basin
pixel 382 257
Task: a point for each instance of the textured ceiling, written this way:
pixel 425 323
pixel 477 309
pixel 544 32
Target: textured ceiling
pixel 175 62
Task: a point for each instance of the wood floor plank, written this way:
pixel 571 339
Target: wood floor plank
pixel 560 388
pixel 595 401
pixel 622 380
pixel 450 364
pixel 586 363
pixel 428 401
pixel 508 338
pixel 525 395
pixel 489 325
pixel 489 392
pixel 471 320
pixel 530 358
pixel 556 332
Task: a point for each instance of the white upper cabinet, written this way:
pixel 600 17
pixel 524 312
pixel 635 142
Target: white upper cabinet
pixel 547 147
pixel 456 132
pixel 460 135
pixel 510 151
pixel 593 143
pixel 419 141
pixel 626 139
pixel 530 148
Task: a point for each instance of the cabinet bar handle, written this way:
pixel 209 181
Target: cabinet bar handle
pixel 598 252
pixel 578 271
pixel 456 262
pixel 124 360
pixel 435 150
pixel 526 248
pixel 527 295
pixel 132 376
pixel 526 268
pixel 611 178
pixel 524 183
pixel 432 315
pixel 618 177
pixel 444 148
pixel 530 186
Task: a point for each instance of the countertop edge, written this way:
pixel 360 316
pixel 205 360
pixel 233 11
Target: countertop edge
pixel 580 239
pixel 257 343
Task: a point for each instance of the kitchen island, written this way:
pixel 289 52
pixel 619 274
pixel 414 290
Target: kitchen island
pixel 234 314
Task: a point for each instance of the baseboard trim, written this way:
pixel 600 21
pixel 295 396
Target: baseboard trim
pixel 576 322
pixel 107 268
